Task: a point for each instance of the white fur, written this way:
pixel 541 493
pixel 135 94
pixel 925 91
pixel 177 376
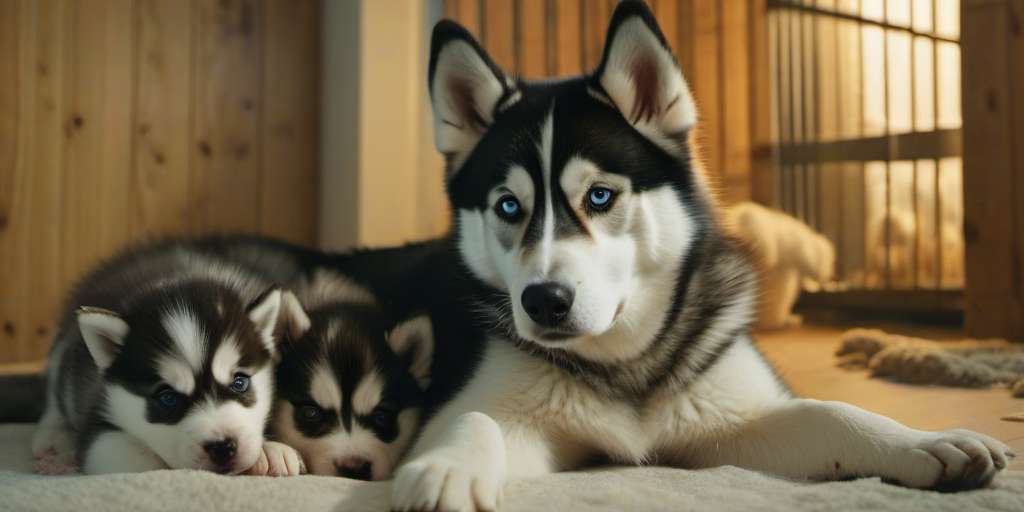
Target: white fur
pixel 181 445
pixel 188 336
pixel 118 452
pixel 225 361
pixel 103 332
pixel 459 63
pixel 416 335
pixel 368 393
pixel 176 373
pixel 264 317
pixel 324 389
pixel 321 454
pixel 788 252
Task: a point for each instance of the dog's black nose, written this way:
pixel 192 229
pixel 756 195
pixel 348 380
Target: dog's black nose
pixel 547 303
pixel 221 452
pixel 356 468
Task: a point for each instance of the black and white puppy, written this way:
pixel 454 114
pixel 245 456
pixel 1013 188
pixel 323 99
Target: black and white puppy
pixel 350 380
pixel 164 358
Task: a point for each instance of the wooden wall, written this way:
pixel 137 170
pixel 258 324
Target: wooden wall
pixel 130 119
pixel 993 110
pixel 716 43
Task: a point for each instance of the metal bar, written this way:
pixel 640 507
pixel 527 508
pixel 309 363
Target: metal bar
pixel 789 4
pixel 913 127
pixel 863 120
pixel 805 118
pixel 888 164
pixel 904 146
pixel 938 173
pixel 841 227
pixel 940 301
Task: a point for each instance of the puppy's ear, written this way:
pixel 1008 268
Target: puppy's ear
pixel 466 90
pixel 641 77
pixel 264 312
pixel 293 321
pixel 413 342
pixel 104 332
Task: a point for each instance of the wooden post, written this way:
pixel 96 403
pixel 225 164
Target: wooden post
pixel 993 111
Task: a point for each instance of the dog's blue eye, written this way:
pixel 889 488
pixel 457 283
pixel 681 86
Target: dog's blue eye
pixel 508 207
pixel 381 418
pixel 168 398
pixel 241 383
pixel 600 197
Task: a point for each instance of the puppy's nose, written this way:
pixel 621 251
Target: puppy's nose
pixel 356 468
pixel 221 452
pixel 547 303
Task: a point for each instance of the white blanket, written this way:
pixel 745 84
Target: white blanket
pixel 613 489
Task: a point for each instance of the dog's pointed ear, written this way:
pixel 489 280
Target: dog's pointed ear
pixel 466 90
pixel 265 311
pixel 103 332
pixel 293 321
pixel 413 341
pixel 640 75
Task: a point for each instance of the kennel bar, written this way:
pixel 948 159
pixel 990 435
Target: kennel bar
pixel 807 163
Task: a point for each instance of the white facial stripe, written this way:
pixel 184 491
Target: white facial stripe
pixel 225 361
pixel 188 336
pixel 545 148
pixel 176 373
pixel 368 394
pixel 324 390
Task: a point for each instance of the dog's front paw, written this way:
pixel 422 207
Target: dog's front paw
pixel 953 460
pixel 277 459
pixel 440 482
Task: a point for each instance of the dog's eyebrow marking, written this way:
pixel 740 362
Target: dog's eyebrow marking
pixel 190 338
pixel 368 393
pixel 225 360
pixel 176 373
pixel 323 389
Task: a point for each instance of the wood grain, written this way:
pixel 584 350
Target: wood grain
pixel 163 124
pixel 226 182
pixel 289 107
pixel 499 35
pixel 532 49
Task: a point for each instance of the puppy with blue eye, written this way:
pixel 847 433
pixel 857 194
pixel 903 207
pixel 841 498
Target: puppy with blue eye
pixel 350 381
pixel 164 358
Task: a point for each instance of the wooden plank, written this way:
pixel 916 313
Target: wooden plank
pixel 42 246
pixel 468 14
pixel 12 308
pixel 706 85
pixel 1016 63
pixel 596 15
pixel 993 304
pixel 532 47
pixel 568 39
pixel 761 87
pixel 116 116
pixel 226 183
pixel 736 101
pixel 290 119
pixel 162 154
pixel 667 14
pixel 685 38
pixel 499 32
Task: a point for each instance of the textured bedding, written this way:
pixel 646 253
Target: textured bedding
pixel 618 489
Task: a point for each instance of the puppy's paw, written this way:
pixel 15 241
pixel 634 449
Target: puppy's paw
pixel 953 460
pixel 277 459
pixel 52 443
pixel 438 482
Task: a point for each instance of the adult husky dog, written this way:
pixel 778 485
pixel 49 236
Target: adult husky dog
pixel 616 311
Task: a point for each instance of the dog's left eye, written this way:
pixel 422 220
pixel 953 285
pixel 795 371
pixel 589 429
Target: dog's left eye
pixel 241 383
pixel 600 198
pixel 508 208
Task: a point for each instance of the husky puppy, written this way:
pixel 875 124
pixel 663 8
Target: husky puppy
pixel 588 264
pixel 787 252
pixel 349 393
pixel 164 358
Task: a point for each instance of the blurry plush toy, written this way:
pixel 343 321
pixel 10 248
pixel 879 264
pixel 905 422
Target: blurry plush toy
pixel 788 254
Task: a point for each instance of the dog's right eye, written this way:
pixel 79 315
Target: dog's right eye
pixel 310 413
pixel 167 398
pixel 508 208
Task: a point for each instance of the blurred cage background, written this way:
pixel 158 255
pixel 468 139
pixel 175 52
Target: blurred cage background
pixel 866 97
